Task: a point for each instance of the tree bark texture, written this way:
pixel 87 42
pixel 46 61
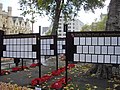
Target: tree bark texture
pixel 112 24
pixel 57 16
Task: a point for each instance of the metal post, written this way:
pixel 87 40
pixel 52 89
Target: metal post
pixel 56 50
pixel 0 66
pixel 22 64
pixel 66 61
pixel 39 51
pixel 1 45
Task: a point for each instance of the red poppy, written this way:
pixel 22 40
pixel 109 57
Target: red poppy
pixel 35 81
pixel 56 72
pixel 62 80
pixel 34 65
pixel 40 80
pixel 56 85
pixel 24 67
pixel 15 69
pixel 71 66
pixel 62 69
pixel 3 72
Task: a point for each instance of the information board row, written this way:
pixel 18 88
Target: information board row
pixel 19 54
pixel 19 41
pixel 98 50
pixel 89 58
pixel 96 40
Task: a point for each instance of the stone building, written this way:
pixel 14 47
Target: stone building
pixel 13 24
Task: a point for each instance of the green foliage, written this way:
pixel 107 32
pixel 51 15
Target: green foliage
pixel 53 8
pixel 96 26
pixel 86 27
pixel 48 33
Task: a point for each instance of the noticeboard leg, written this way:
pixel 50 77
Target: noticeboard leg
pixel 0 66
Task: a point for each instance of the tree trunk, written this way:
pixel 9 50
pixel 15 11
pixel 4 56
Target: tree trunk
pixel 57 16
pixel 112 24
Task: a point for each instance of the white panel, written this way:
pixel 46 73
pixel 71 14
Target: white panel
pixel 88 58
pixel 22 41
pixel 4 53
pixel 63 42
pixel 117 50
pixel 8 54
pixel 7 47
pixel 11 54
pixel 48 46
pixel 104 49
pixel 110 50
pixel 30 54
pixel 18 47
pixel 22 55
pixel 94 40
pixel 76 57
pixel 22 47
pixel 15 48
pixel 101 41
pixel 76 40
pixel 88 40
pixel 82 40
pixel 107 40
pixel 25 39
pixel 18 54
pixel 82 58
pixel 26 55
pixel 58 51
pixel 14 54
pixel 85 49
pixel 114 41
pixel 44 41
pixel 97 49
pixel 26 47
pixel 100 58
pixel 107 59
pixel 113 59
pixel 118 59
pixel 79 49
pixel 118 40
pixel 44 52
pixel 44 46
pixel 94 58
pixel 41 41
pixel 30 48
pixel 48 52
pixel 51 41
pixel 34 41
pixel 48 41
pixel 14 41
pixel 7 41
pixel 60 42
pixel 52 52
pixel 11 49
pixel 41 51
pixel 91 49
pixel 64 51
pixel 30 40
pixel 4 41
pixel 18 41
pixel 11 41
pixel 34 54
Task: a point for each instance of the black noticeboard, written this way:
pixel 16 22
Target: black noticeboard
pixel 22 46
pixel 94 47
